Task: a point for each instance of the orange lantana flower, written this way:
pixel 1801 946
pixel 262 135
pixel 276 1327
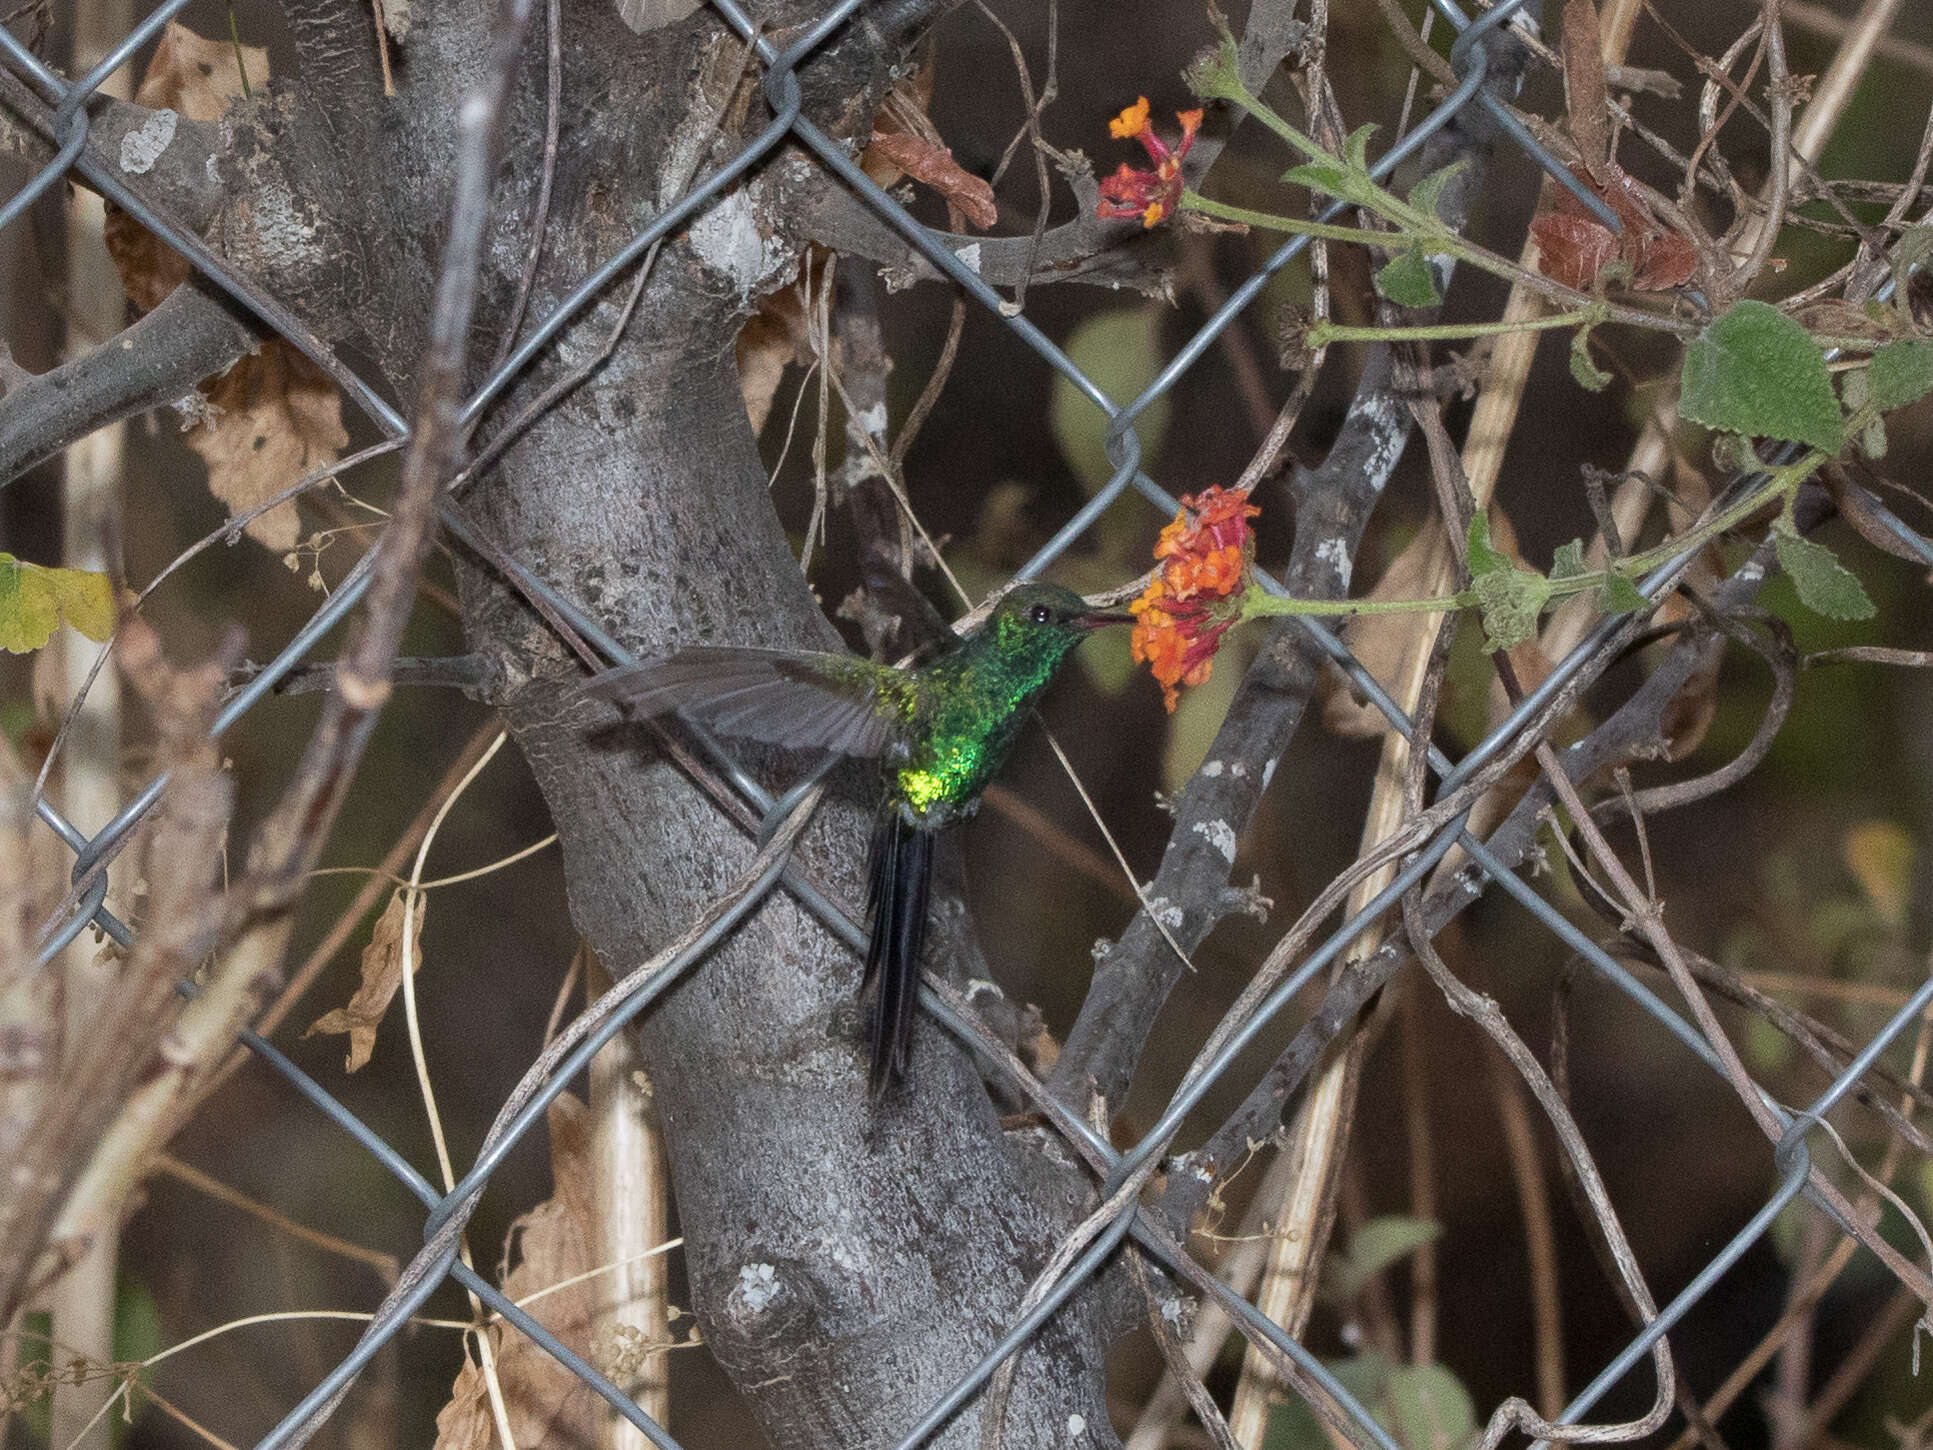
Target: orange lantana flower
pixel 1150 195
pixel 1181 616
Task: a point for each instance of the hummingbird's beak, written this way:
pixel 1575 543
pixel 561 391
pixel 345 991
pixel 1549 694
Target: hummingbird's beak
pixel 1100 619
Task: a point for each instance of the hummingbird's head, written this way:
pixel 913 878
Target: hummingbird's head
pixel 1046 619
pixel 1048 608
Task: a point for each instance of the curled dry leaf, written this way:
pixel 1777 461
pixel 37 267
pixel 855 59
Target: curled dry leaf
pixel 932 164
pixel 382 974
pixel 1577 247
pixel 548 1407
pixel 771 339
pixel 273 416
pixel 199 78
pixel 270 419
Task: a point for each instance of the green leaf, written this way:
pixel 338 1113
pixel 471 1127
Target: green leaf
pixel 1120 350
pixel 1568 562
pixel 1914 246
pixel 1484 557
pixel 1756 371
pixel 1408 281
pixel 34 601
pixel 1198 719
pixel 1900 373
pixel 1323 176
pixel 1620 596
pixel 1766 1048
pixel 1510 598
pixel 1374 1247
pixel 1825 585
pixel 1425 195
pixel 137 1336
pixel 1355 147
pixel 1872 439
pixel 1585 373
pixel 1431 1408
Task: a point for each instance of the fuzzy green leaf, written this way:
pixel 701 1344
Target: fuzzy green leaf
pixel 1431 1408
pixel 1509 598
pixel 1379 1243
pixel 1355 147
pixel 1585 373
pixel 1425 195
pixel 1324 176
pixel 1901 373
pixel 1620 596
pixel 1568 562
pixel 34 601
pixel 1408 281
pixel 1755 371
pixel 1825 586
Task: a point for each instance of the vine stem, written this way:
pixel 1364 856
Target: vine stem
pixel 1322 334
pixel 1781 487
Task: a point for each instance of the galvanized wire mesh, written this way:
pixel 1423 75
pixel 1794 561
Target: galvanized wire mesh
pixel 1470 58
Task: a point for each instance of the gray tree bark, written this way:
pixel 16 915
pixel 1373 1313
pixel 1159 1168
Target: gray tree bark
pixel 848 1263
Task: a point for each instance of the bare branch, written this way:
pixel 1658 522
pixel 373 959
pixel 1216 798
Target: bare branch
pixel 191 335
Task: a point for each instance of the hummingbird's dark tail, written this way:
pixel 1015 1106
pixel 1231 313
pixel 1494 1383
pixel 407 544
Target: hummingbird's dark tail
pixel 902 868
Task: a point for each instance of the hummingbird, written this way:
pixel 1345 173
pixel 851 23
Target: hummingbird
pixel 941 732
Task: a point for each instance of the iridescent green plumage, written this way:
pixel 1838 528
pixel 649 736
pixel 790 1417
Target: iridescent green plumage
pixel 942 732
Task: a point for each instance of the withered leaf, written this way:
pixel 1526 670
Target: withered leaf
pixel 273 416
pixel 932 164
pixel 1573 249
pixel 198 77
pixel 464 1423
pixel 1577 247
pixel 271 419
pixel 771 339
pixel 548 1407
pixel 194 77
pixel 382 974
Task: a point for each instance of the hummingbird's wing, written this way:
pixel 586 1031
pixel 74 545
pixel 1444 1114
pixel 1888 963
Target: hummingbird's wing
pixel 791 698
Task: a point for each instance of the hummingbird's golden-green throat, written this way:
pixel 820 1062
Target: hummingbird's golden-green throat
pixel 942 732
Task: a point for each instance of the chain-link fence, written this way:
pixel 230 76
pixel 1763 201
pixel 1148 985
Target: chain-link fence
pixel 446 1212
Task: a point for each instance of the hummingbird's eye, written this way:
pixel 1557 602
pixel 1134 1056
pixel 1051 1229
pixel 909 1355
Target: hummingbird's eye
pixel 1040 614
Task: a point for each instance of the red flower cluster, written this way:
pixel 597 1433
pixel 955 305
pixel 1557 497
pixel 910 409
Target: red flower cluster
pixel 1150 195
pixel 1181 616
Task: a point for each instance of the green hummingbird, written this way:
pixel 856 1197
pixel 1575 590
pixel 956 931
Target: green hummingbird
pixel 941 732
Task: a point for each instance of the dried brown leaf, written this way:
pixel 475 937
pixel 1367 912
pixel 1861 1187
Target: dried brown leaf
pixel 199 77
pixel 464 1423
pixel 1573 249
pixel 1690 712
pixel 194 77
pixel 548 1407
pixel 270 419
pixel 932 164
pixel 773 338
pixel 382 974
pixel 274 416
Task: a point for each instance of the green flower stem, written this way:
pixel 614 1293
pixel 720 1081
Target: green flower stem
pixel 1231 89
pixel 1270 222
pixel 1780 488
pixel 1321 334
pixel 1257 603
pixel 1432 236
